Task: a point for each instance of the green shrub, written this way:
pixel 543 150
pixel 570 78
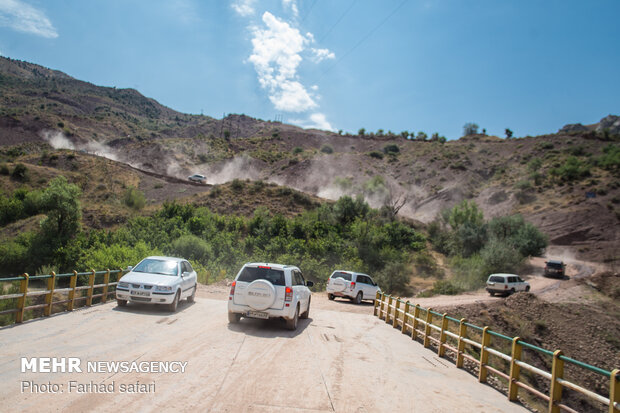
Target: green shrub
pixel 297 150
pixel 391 149
pixel 376 154
pixel 237 184
pixel 572 169
pixel 4 169
pixel 192 247
pixel 134 198
pixel 20 172
pixel 446 288
pixel 610 159
pixel 327 149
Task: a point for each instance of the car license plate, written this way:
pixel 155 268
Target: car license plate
pixel 142 293
pixel 258 314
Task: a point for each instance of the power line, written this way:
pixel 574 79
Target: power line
pixel 338 21
pixel 309 10
pixel 370 33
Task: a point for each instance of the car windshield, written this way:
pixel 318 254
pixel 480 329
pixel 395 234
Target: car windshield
pixel 154 266
pixel 344 275
pixel 249 274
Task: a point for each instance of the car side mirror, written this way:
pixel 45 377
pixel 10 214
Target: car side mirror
pixel 129 268
pixel 309 284
pixel 185 274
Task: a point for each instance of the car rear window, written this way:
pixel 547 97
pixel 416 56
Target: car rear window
pixel 344 275
pixel 555 265
pixel 497 279
pixel 249 274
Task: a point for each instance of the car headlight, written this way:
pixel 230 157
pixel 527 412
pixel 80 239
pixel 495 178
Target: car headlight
pixel 163 288
pixel 123 285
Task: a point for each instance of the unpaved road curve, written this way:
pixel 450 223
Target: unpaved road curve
pixel 336 361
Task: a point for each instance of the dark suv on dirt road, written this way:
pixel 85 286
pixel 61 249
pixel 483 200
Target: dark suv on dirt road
pixel 554 268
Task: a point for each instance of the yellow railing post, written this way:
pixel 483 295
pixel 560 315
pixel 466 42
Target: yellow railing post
pixel 427 327
pixel 381 313
pixel 515 369
pixel 106 281
pixel 443 336
pixel 614 391
pixel 461 345
pixel 376 303
pixel 484 355
pixel 72 285
pixel 405 318
pixel 49 297
pixel 21 302
pixel 91 283
pixel 396 313
pixel 416 316
pixel 387 310
pixel 555 392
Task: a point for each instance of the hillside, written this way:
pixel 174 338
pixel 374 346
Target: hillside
pixel 545 178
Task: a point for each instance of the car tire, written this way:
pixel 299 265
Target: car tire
pixel 172 307
pixel 192 297
pixel 121 303
pixel 233 318
pixel 292 323
pixel 512 291
pixel 358 298
pixel 527 289
pixel 306 313
pixel 331 297
pixel 491 293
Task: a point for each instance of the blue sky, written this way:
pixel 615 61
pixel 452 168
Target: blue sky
pixel 431 65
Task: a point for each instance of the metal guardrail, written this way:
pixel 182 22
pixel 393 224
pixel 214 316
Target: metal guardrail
pixel 420 325
pixel 51 289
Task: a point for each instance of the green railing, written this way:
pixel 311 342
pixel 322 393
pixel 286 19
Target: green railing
pixel 72 293
pixel 420 324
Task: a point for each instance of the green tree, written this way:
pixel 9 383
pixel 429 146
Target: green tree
pixel 470 128
pixel 361 132
pixel 61 200
pixel 508 133
pixel 421 136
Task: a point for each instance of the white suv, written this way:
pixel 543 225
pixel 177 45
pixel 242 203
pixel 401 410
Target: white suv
pixel 352 285
pixel 269 291
pixel 506 284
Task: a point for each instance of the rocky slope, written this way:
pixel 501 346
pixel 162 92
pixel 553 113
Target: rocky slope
pixel 556 181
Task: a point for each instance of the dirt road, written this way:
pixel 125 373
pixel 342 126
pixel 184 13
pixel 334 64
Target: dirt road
pixel 337 361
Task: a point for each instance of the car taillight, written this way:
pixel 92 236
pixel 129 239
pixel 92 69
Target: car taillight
pixel 506 287
pixel 232 289
pixel 352 285
pixel 264 267
pixel 288 294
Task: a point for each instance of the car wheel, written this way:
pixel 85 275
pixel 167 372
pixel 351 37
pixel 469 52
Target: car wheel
pixel 306 313
pixel 512 291
pixel 233 318
pixel 492 293
pixel 192 297
pixel 121 303
pixel 358 298
pixel 527 289
pixel 292 323
pixel 173 305
pixel 331 296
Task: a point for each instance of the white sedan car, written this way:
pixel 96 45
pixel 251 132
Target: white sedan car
pixel 158 280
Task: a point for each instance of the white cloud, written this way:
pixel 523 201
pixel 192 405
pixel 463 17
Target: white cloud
pixel 276 57
pixel 244 7
pixel 315 121
pixel 322 54
pixel 291 4
pixel 24 18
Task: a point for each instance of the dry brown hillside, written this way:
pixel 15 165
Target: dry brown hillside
pixel 557 181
